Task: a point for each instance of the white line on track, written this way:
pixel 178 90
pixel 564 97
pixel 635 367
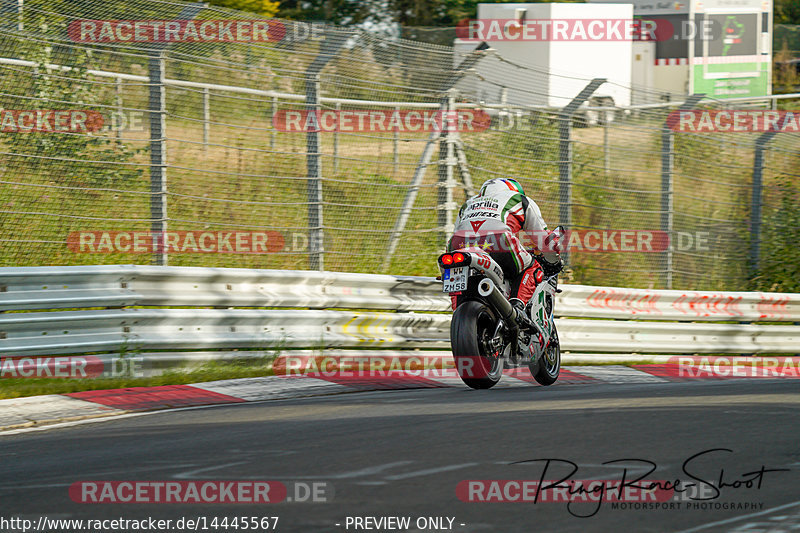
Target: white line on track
pixel 190 473
pixel 429 471
pixel 739 518
pixel 370 470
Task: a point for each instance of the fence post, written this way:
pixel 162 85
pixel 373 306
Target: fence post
pixel 565 155
pixel 447 163
pixel 273 132
pixel 157 107
pixel 396 146
pixel 667 187
pixel 463 166
pixel 314 183
pixel 11 14
pixel 206 116
pixel 756 201
pixel 336 140
pixel 332 42
pixel 120 109
pixel 606 154
pixel 158 154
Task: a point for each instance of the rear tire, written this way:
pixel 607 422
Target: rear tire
pixel 471 330
pixel 545 371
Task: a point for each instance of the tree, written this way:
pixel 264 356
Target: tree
pixel 85 157
pixel 331 11
pixel 787 12
pixel 265 8
pixel 442 13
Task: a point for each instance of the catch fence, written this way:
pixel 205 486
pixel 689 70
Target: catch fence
pixel 329 148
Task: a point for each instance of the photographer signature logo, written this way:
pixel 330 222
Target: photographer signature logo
pixel 703 480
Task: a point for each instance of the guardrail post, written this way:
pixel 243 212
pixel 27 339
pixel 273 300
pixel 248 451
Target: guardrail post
pixel 447 163
pixel 667 187
pixel 756 201
pixel 158 155
pixel 565 155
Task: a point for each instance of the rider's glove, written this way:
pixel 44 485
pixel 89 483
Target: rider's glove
pixel 552 253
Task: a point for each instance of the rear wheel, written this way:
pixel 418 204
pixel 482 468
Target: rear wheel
pixel 476 349
pixel 546 370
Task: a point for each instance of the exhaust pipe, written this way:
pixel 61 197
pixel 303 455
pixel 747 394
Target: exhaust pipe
pixel 488 290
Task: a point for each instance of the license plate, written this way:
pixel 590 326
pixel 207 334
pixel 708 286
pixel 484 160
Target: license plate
pixel 455 279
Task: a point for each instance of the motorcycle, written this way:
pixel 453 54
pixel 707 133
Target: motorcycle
pixel 486 333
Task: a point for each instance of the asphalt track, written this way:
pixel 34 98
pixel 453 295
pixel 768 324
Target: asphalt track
pixel 402 453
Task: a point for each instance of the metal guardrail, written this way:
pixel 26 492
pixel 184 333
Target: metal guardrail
pixel 643 304
pixel 202 309
pixel 126 286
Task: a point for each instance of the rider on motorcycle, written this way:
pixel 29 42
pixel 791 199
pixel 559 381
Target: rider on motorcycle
pixel 491 220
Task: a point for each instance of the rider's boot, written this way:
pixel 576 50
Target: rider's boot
pixel 522 315
pixel 525 322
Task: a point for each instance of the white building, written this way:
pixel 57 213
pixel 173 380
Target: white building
pixel 555 69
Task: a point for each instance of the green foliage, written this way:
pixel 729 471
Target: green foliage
pixel 51 154
pixel 266 8
pixel 443 13
pixel 438 12
pixel 780 255
pixel 787 12
pixel 785 77
pixel 332 11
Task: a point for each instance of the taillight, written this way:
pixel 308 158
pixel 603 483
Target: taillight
pixel 458 257
pixel 447 259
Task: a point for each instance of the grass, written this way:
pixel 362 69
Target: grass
pixel 211 371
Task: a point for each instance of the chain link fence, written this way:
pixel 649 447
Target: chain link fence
pixel 317 147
